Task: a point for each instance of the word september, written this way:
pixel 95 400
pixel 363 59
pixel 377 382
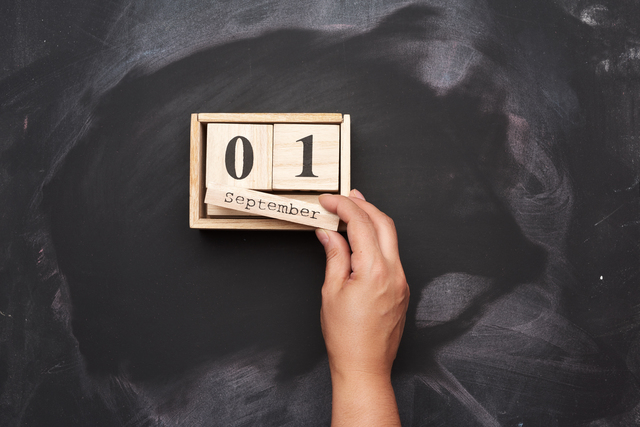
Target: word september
pixel 272 206
pixel 263 205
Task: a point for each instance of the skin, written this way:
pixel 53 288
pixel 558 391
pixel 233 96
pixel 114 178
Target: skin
pixel 364 303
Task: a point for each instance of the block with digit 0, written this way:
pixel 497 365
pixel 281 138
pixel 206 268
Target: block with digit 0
pixel 239 155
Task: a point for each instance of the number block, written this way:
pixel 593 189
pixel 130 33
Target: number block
pixel 306 157
pixel 239 155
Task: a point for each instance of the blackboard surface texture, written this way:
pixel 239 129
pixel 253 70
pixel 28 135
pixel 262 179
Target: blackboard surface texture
pixel 502 136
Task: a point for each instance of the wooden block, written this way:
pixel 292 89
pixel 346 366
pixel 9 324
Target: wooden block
pixel 239 155
pixel 196 173
pixel 270 117
pixel 272 206
pixel 345 156
pixel 251 223
pixel 214 210
pixel 306 157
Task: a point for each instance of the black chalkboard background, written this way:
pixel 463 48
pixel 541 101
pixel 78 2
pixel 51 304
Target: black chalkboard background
pixel 502 136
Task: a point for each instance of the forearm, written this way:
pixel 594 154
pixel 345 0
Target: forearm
pixel 360 399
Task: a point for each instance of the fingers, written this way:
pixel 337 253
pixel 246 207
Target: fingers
pixel 360 230
pixel 338 257
pixel 356 194
pixel 362 220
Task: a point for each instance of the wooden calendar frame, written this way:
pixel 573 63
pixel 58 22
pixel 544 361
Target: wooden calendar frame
pixel 198 217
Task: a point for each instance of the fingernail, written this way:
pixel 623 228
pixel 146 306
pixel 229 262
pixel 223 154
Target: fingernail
pixel 355 193
pixel 322 235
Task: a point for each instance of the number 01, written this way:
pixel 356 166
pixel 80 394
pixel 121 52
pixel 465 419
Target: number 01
pixel 247 160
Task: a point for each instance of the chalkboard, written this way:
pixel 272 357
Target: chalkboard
pixel 501 136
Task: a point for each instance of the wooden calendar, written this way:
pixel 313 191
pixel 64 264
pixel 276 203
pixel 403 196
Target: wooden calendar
pixel 266 171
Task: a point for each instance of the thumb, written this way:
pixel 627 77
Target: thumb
pixel 338 257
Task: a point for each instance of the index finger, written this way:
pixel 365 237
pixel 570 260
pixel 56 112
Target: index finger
pixel 362 233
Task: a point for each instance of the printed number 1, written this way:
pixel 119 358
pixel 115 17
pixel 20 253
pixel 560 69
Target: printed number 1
pixel 307 157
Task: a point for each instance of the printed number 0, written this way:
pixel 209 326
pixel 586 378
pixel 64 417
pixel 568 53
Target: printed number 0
pixel 230 157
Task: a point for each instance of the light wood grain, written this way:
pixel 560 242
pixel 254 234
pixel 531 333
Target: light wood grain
pixel 220 136
pixel 345 155
pixel 288 154
pixel 196 173
pixel 249 223
pixel 272 206
pixel 270 117
pixel 214 210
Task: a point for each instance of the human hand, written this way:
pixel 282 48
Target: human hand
pixel 364 302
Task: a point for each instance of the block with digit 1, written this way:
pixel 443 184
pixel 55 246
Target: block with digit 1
pixel 306 157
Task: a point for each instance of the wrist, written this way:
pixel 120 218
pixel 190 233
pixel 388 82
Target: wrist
pixel 363 399
pixel 359 377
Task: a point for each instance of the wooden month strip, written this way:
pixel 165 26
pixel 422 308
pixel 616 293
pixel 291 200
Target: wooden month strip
pixel 214 210
pixel 272 206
